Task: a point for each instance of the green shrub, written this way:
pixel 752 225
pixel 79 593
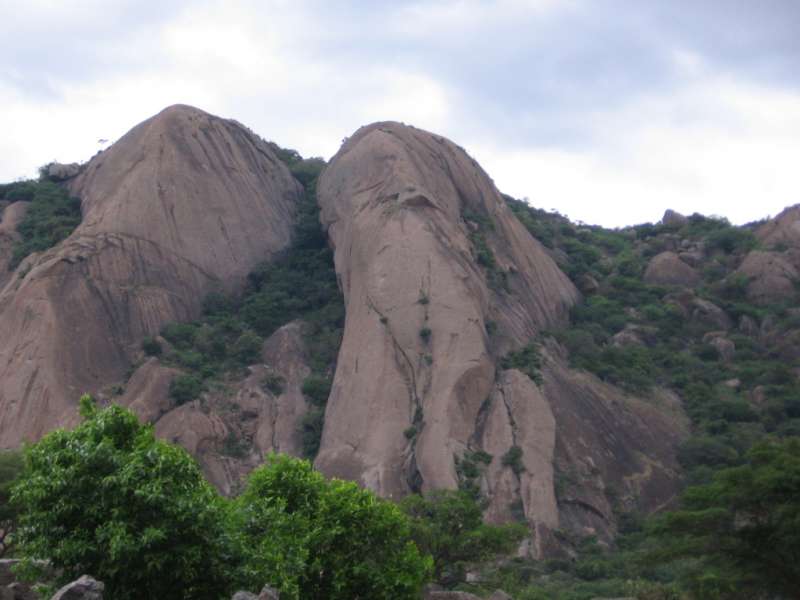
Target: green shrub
pixel 109 499
pixel 275 384
pixel 10 468
pixel 425 334
pixel 151 347
pixel 527 359
pixel 311 430
pixel 317 388
pixel 449 526
pixel 513 459
pixel 314 538
pixel 185 388
pixel 51 217
pixel 247 348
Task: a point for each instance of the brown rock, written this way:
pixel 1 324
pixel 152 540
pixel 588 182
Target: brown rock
pixel 668 269
pixel 588 284
pixel 519 415
pixel 771 276
pixel 614 452
pixel 269 593
pixel 85 588
pixel 183 204
pixel 709 315
pixel 61 172
pixel 627 337
pixel 725 347
pixel 693 259
pixel 748 325
pixel 403 207
pixel 783 230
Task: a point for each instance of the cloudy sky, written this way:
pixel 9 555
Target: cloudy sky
pixel 609 111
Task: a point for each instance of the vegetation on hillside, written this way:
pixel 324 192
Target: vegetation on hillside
pixel 51 217
pixel 109 499
pixel 744 409
pixel 299 284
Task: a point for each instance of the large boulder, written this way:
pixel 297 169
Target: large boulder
pixel 428 255
pixel 783 231
pixel 230 431
pixel 57 171
pixel 85 588
pixel 772 277
pixel 410 215
pixel 668 269
pixel 183 204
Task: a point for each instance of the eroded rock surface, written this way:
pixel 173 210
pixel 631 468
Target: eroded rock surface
pixel 183 204
pixel 429 258
pixel 668 269
pixel 232 426
pixel 403 209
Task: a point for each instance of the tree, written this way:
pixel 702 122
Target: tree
pixel 449 526
pixel 314 538
pixel 10 468
pixel 109 499
pixel 743 529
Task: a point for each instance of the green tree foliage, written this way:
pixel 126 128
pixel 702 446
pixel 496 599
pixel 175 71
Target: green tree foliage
pixel 51 217
pixel 449 526
pixel 314 538
pixel 185 388
pixel 10 468
pixel 742 529
pixel 109 499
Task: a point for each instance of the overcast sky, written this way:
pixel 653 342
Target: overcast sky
pixel 609 111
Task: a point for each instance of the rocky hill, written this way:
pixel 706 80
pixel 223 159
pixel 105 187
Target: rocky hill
pixel 394 317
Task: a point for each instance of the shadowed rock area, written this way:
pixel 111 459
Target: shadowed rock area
pixel 183 204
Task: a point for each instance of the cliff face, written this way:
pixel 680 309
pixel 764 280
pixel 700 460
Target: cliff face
pixel 183 204
pixel 440 282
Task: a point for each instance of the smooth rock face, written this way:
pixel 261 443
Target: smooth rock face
pixel 418 383
pixel 613 451
pixel 183 204
pixel 61 172
pixel 771 276
pixel 395 200
pixel 85 588
pixel 668 269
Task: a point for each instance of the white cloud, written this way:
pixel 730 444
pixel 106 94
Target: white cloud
pixel 716 147
pixel 710 142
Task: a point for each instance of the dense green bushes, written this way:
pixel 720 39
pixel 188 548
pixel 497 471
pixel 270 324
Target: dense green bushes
pixel 109 499
pixel 51 217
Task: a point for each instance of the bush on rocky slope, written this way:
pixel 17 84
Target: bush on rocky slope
pixel 51 217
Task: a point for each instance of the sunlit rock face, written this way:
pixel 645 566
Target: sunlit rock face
pixel 183 204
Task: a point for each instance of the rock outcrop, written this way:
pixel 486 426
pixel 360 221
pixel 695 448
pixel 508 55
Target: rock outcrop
pixel 771 276
pixel 183 204
pixel 440 282
pixel 230 430
pixel 84 588
pixel 408 213
pixel 668 269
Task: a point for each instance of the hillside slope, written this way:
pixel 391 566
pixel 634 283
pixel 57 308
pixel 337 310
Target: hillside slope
pixel 182 205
